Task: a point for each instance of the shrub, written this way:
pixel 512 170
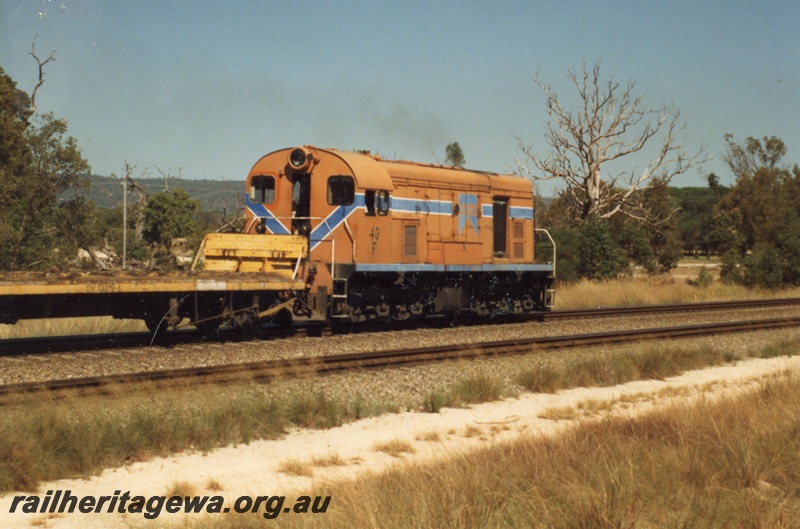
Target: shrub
pixel 600 257
pixel 763 268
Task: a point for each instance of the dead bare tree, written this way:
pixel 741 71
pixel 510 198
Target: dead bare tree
pixel 233 200
pixel 169 177
pixel 41 63
pixel 610 123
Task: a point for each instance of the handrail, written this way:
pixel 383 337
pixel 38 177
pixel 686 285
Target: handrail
pixel 352 238
pixel 554 247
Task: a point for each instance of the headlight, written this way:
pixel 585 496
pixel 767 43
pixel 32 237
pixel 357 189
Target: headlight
pixel 299 158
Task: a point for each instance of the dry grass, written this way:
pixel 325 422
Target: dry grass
pixel 472 431
pixel 69 326
pixel 653 291
pixel 293 467
pixel 394 447
pixel 648 362
pixel 730 463
pixel 181 488
pixel 330 460
pixel 470 390
pixel 431 436
pixel 213 485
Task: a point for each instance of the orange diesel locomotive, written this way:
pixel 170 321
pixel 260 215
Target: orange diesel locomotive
pixel 394 239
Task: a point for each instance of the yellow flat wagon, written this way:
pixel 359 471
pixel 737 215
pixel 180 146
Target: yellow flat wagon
pixel 238 277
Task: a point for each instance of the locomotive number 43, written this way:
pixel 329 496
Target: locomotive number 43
pixel 374 235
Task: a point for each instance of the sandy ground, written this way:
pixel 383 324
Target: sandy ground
pixel 255 469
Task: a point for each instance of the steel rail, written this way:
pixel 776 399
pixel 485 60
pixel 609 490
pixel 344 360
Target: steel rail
pixel 677 307
pixel 266 370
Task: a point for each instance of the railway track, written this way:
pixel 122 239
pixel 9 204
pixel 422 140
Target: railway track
pixel 266 370
pixel 677 307
pixel 60 344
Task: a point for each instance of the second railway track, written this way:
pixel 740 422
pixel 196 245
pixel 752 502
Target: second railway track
pixel 265 370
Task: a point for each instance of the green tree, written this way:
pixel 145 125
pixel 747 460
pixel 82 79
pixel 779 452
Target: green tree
pixel 745 159
pixel 760 217
pixel 454 155
pixel 168 215
pixel 762 193
pixel 694 219
pixel 37 163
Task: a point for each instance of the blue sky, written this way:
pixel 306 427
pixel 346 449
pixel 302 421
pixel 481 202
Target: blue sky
pixel 209 87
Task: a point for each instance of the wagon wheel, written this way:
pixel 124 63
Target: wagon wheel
pixel 155 323
pixel 208 328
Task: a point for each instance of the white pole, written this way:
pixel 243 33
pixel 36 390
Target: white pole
pixel 124 224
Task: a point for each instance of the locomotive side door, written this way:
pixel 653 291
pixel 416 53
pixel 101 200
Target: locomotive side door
pixel 500 226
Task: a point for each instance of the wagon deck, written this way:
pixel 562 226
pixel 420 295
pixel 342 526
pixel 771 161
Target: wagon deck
pixel 256 269
pixel 36 284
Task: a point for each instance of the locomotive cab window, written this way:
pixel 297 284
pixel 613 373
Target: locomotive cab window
pixel 369 202
pixel 382 203
pixel 376 201
pixel 262 189
pixel 341 190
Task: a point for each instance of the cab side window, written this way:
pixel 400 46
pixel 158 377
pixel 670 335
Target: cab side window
pixel 341 190
pixel 382 203
pixel 262 189
pixel 369 202
pixel 376 202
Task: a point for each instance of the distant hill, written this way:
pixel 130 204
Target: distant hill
pixel 214 195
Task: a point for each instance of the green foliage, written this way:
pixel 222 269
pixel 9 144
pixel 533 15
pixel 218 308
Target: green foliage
pixel 80 226
pixel 435 401
pixel 694 219
pixel 704 279
pixel 763 267
pixel 757 225
pixel 745 159
pixel 169 215
pixel 730 269
pixel 567 257
pixel 635 244
pixel 723 234
pixel 603 248
pixel 599 255
pixel 37 163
